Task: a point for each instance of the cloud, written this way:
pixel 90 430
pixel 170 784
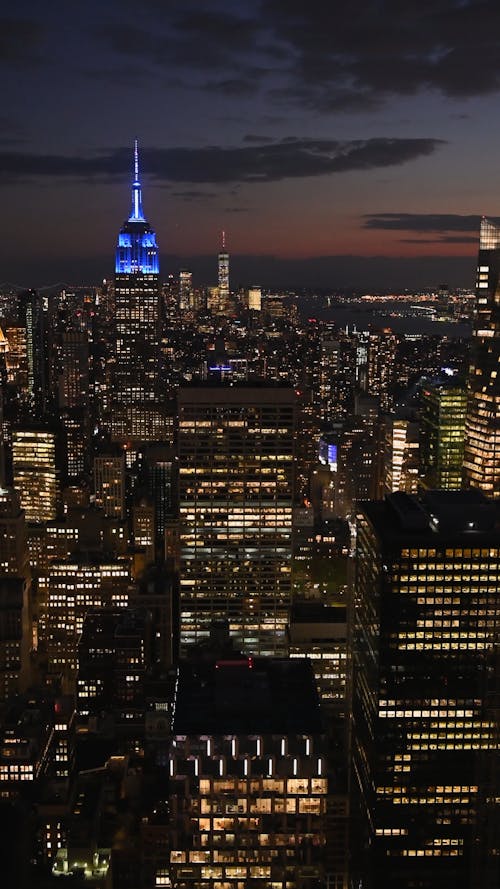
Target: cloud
pixel 422 222
pixel 290 158
pixel 388 47
pixel 255 138
pixel 441 239
pixel 194 194
pixel 19 40
pixel 232 86
pixel 190 40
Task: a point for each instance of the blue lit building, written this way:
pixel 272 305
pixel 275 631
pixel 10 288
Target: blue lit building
pixel 137 251
pixel 137 297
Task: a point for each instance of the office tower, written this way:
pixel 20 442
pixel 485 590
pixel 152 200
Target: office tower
pixel 337 377
pixel 442 430
pixel 17 359
pixel 74 369
pixel 13 547
pixel 135 409
pixel 401 456
pixel 223 279
pixel 319 632
pixel 74 433
pixel 109 483
pixel 33 316
pixel 73 398
pixel 254 296
pixel 482 427
pixel 185 290
pixel 381 367
pixel 236 453
pixel 114 653
pixel 248 778
pixel 2 440
pixel 143 528
pixel 425 642
pixel 160 478
pixel 350 464
pixel 76 586
pixel 35 473
pixel 15 611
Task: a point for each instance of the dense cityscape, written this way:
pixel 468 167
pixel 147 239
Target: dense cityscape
pixel 249 573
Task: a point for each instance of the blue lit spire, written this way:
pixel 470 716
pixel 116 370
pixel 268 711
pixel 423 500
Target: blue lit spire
pixel 137 215
pixel 137 251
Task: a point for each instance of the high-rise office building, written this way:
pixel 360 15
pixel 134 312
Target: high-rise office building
pixel 15 611
pixel 381 367
pixel 74 587
pixel 35 472
pixel 482 428
pixel 109 483
pixel 425 730
pixel 442 431
pixel 236 453
pixel 160 480
pixel 74 375
pixel 114 652
pixel 185 290
pixel 135 408
pixel 401 456
pixel 248 784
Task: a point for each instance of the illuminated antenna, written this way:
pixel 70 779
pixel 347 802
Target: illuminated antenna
pixel 224 240
pixel 136 162
pixel 137 215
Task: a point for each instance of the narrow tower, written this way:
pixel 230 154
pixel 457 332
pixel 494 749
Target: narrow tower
pixel 137 294
pixel 482 427
pixel 223 273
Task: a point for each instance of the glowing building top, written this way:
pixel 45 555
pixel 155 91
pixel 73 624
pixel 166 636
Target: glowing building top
pixel 489 238
pixel 137 251
pixel 223 270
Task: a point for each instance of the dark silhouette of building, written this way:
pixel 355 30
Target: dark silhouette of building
pixel 482 428
pixel 424 729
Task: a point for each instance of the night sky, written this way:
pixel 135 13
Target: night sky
pixel 341 144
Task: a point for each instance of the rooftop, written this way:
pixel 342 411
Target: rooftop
pixel 435 517
pixel 247 695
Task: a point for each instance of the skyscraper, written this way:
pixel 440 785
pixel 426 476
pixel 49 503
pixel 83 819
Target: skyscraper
pixel 135 410
pixel 442 427
pixel 482 428
pixel 33 317
pixel 236 453
pixel 35 472
pixel 223 274
pixel 425 731
pixel 15 612
pixel 381 366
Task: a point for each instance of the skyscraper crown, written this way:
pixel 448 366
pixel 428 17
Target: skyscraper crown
pixel 137 251
pixel 489 236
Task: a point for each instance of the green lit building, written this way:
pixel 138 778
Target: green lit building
pixel 442 431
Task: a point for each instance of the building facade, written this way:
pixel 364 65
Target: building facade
pixel 135 411
pixel 248 777
pixel 442 429
pixel 236 462
pixel 482 429
pixel 424 648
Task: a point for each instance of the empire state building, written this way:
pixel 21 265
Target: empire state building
pixel 136 413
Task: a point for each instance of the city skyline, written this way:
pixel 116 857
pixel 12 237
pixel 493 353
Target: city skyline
pixel 333 152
